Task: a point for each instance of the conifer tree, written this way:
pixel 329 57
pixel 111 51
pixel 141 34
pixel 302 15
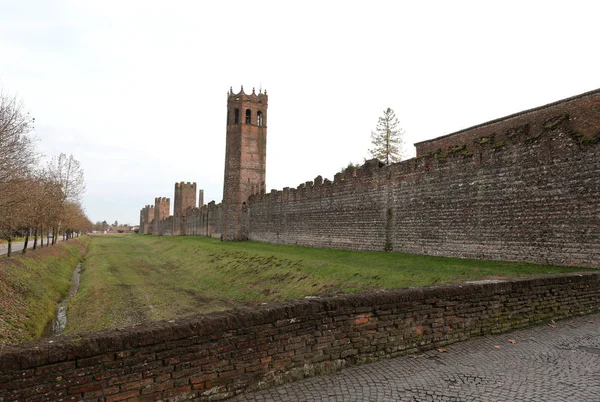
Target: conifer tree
pixel 387 138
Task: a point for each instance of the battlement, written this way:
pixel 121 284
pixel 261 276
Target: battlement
pixel 158 200
pixel 185 185
pixel 243 96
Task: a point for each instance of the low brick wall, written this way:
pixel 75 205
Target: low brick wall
pixel 220 355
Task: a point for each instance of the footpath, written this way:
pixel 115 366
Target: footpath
pixel 555 362
pixel 17 246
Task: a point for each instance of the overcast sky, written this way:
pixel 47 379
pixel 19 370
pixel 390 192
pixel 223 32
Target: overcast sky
pixel 137 90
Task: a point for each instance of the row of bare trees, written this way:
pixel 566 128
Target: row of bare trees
pixel 38 201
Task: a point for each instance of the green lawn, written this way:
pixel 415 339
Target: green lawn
pixel 132 279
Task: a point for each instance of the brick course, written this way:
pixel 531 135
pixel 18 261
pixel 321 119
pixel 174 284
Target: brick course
pixel 219 355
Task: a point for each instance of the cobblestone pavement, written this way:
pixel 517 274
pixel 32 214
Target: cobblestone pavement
pixel 546 363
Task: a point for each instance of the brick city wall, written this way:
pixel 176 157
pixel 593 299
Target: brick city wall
pixel 222 354
pixel 584 107
pixel 528 191
pixel 204 221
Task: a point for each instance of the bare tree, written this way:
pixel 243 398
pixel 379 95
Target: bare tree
pixel 17 153
pixel 17 158
pixel 67 173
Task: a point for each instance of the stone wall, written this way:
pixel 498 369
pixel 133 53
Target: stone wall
pixel 165 227
pixel 219 355
pixel 529 191
pixel 204 221
pixel 585 108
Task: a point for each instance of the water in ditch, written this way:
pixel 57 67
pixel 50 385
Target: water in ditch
pixel 58 324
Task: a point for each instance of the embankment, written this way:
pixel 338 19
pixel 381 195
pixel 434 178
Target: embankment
pixel 32 284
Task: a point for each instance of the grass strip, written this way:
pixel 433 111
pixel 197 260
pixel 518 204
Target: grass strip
pixel 135 278
pixel 32 284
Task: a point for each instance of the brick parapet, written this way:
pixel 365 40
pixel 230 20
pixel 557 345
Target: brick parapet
pixel 586 106
pixel 222 354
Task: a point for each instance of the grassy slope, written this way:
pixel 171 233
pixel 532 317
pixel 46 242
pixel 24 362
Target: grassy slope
pixel 31 285
pixel 131 279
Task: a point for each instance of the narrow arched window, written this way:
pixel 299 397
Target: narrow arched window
pixel 248 116
pixel 228 122
pixel 237 116
pixel 259 121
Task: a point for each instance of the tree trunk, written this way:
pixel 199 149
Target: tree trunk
pixel 41 236
pixel 26 241
pixel 34 238
pixel 9 251
pixel 54 231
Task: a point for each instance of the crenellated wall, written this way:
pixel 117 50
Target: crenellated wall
pixel 526 188
pixel 204 221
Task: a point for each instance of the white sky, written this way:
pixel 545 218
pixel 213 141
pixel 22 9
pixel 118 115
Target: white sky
pixel 137 90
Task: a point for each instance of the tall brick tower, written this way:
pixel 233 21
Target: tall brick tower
pixel 185 197
pixel 245 158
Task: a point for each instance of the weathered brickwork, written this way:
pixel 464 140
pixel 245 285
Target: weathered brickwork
pixel 219 355
pixel 245 158
pixel 185 200
pixel 204 221
pixel 146 218
pixel 530 123
pixel 529 192
pixel 162 207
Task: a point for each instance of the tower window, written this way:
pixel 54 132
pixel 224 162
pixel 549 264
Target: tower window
pixel 259 120
pixel 228 118
pixel 248 116
pixel 237 116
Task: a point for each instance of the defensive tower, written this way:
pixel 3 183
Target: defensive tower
pixel 185 198
pixel 245 158
pixel 162 207
pixel 146 217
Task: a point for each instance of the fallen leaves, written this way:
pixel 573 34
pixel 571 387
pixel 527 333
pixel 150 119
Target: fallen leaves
pixel 512 341
pixel 497 346
pixel 416 356
pixel 443 350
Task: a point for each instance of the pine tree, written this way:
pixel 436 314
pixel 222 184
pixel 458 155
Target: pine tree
pixel 387 138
